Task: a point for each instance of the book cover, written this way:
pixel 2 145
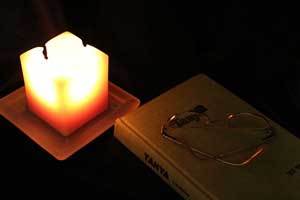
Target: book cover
pixel 274 174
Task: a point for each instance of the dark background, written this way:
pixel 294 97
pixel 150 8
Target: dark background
pixel 251 49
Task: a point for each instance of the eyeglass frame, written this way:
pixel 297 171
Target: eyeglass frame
pixel 199 111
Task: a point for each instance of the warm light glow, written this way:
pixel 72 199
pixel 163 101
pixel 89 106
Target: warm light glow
pixel 69 87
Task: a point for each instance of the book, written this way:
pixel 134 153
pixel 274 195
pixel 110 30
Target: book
pixel 274 174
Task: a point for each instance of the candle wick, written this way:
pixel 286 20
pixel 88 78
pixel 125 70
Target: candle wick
pixel 84 43
pixel 45 52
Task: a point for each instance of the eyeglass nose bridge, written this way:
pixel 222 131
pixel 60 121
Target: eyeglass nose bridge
pixel 176 122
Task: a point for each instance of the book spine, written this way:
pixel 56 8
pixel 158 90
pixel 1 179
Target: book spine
pixel 164 169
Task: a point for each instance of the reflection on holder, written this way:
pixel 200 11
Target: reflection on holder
pixel 197 118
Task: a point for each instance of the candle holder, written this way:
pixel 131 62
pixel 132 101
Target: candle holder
pixel 67 100
pixel 14 108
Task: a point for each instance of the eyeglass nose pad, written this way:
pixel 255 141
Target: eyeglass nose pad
pixel 172 118
pixel 230 116
pixel 172 121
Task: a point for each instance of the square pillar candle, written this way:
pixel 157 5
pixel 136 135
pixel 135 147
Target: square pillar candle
pixel 66 83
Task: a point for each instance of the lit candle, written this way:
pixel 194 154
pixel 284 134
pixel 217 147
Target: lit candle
pixel 69 87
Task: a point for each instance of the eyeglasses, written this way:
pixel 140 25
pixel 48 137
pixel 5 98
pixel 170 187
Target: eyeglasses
pixel 253 124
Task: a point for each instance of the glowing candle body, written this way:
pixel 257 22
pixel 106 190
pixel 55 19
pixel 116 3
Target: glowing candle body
pixel 70 86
